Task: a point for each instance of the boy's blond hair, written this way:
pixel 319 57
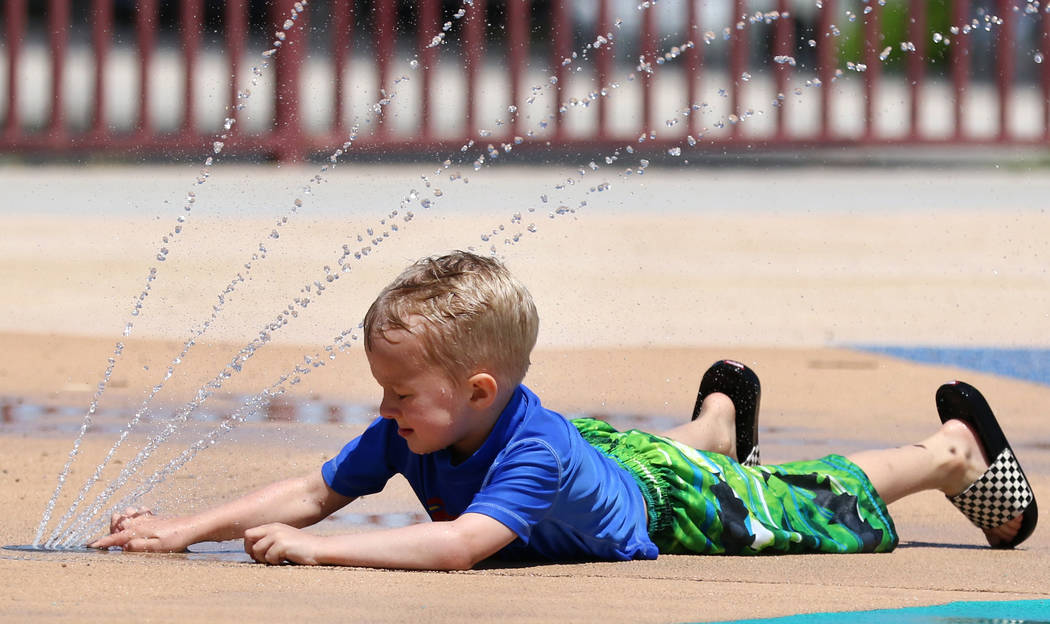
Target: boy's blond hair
pixel 476 316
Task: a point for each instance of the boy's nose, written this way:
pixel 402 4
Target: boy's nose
pixel 386 410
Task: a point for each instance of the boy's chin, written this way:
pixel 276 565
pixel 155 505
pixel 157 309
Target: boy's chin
pixel 420 448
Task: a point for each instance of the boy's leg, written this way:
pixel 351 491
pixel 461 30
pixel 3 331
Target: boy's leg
pixel 725 417
pixel 713 430
pixel 956 461
pixel 949 461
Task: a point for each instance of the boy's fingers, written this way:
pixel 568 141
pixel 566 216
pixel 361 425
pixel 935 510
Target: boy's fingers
pixel 259 544
pixel 141 544
pixel 275 555
pixel 115 539
pixel 117 520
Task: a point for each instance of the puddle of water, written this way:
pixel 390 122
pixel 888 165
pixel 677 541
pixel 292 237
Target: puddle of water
pixel 19 415
pixel 378 521
pixel 55 551
pixel 233 550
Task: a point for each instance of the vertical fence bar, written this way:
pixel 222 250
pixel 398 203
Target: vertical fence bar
pixel 1044 73
pixel 146 40
pixel 16 25
pixel 518 22
pixel 915 66
pixel 562 27
pixel 100 39
pixel 960 66
pixel 738 50
pixel 603 56
pixel 190 21
pixel 826 61
pixel 427 27
pixel 384 40
pixel 342 22
pixel 58 27
pixel 1004 62
pixel 783 36
pixel 288 134
pixel 873 71
pixel 694 58
pixel 649 50
pixel 474 30
pixel 236 19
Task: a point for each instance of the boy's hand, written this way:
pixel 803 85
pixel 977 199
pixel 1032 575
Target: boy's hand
pixel 137 529
pixel 276 543
pixel 118 521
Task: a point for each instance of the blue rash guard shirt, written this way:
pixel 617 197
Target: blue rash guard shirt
pixel 534 473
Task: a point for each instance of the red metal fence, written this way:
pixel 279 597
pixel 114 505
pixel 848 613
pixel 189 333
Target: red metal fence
pixel 525 75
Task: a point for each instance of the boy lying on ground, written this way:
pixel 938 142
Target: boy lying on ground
pixel 449 343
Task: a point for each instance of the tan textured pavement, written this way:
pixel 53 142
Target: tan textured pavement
pixel 638 292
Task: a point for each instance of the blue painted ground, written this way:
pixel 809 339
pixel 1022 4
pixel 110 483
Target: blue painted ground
pixel 1015 612
pixel 1026 364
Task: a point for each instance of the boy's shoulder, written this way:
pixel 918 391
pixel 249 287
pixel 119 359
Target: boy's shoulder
pixel 528 420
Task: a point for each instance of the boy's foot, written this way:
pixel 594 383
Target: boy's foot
pixel 1000 502
pixel 741 385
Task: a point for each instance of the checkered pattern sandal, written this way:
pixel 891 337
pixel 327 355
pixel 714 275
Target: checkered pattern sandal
pixel 1003 492
pixel 741 385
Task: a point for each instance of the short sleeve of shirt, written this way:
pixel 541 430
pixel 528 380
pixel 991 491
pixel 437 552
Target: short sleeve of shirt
pixel 365 464
pixel 521 487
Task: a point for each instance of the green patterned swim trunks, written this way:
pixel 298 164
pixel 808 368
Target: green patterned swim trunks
pixel 706 503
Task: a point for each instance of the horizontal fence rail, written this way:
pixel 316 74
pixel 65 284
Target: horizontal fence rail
pixel 298 80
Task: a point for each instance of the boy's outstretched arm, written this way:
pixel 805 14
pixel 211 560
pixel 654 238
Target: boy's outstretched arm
pixel 299 502
pixel 455 545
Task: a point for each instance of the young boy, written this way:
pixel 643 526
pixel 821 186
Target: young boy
pixel 449 343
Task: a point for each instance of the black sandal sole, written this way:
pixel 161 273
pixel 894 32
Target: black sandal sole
pixel 1003 492
pixel 741 385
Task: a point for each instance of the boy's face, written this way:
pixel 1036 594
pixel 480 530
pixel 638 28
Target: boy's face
pixel 432 411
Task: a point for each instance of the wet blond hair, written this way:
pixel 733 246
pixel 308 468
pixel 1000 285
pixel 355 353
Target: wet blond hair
pixel 470 314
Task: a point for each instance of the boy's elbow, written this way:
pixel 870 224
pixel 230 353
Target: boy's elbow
pixel 458 562
pixel 457 556
pixel 461 553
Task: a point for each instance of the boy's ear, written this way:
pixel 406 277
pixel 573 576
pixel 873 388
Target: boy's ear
pixel 483 390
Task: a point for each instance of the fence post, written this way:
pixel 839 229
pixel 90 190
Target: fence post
pixel 16 25
pixel 288 131
pixel 101 34
pixel 58 27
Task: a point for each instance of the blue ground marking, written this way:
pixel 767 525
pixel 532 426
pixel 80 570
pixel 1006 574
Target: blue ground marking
pixel 1013 611
pixel 1026 364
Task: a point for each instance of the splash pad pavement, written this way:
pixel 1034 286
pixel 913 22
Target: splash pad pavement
pixel 637 298
pixel 619 309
